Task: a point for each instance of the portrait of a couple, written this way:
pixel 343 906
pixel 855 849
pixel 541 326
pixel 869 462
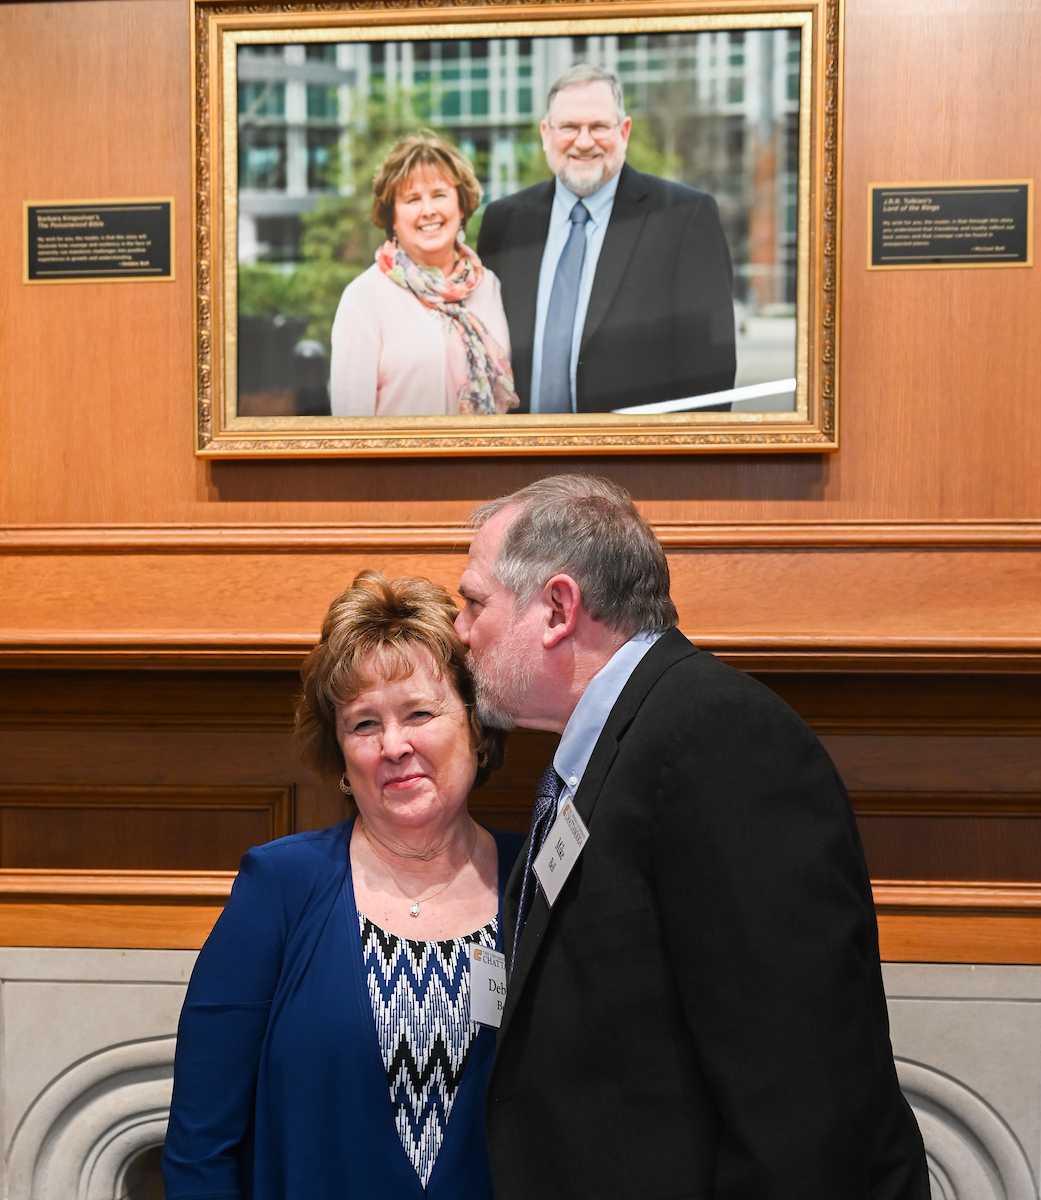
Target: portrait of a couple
pixel 600 288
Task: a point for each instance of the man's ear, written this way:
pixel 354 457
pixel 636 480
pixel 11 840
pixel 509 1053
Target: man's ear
pixel 562 601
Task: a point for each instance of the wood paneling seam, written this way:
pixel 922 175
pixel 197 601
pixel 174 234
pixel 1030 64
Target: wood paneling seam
pixel 309 538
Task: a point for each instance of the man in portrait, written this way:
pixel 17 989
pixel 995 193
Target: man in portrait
pixel 695 1004
pixel 617 285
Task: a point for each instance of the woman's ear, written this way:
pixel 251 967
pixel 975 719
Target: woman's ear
pixel 490 751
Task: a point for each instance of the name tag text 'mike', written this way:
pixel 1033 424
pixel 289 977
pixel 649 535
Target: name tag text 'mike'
pixel 555 861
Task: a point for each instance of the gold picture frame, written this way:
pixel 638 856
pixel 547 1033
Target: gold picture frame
pixel 220 29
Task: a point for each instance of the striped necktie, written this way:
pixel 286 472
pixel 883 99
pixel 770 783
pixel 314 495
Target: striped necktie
pixel 542 818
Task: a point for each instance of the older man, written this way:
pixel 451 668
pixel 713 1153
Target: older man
pixel 617 285
pixel 695 1003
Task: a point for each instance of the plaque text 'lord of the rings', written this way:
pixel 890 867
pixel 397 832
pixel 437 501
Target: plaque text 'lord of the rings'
pixel 982 224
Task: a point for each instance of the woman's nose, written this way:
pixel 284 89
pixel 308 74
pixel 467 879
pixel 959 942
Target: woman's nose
pixel 396 741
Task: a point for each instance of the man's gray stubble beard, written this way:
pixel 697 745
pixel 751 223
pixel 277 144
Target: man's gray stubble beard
pixel 583 187
pixel 501 682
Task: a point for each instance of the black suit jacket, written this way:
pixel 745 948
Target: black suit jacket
pixel 660 324
pixel 701 1014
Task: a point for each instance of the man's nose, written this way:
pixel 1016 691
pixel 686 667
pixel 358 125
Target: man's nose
pixel 462 626
pixel 585 139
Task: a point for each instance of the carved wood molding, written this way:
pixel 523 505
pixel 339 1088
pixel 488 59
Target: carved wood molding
pixel 192 651
pixel 405 537
pixel 918 922
pixel 948 804
pixel 137 885
pixel 955 897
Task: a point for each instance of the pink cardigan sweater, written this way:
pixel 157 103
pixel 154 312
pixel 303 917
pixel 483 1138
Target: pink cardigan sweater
pixel 389 351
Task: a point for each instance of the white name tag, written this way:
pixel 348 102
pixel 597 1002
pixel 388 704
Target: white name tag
pixel 554 861
pixel 487 985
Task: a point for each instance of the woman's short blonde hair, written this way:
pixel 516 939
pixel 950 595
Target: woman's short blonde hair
pixel 373 629
pixel 414 153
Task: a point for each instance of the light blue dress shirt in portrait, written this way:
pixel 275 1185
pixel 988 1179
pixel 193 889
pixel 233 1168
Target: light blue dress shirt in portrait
pixel 599 205
pixel 582 731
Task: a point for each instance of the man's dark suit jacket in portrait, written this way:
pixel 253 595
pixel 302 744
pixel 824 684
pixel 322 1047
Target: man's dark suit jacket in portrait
pixel 660 324
pixel 701 1013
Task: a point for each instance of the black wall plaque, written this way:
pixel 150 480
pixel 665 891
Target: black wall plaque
pixel 985 224
pixel 83 241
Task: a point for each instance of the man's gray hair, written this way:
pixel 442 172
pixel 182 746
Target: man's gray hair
pixel 582 73
pixel 587 528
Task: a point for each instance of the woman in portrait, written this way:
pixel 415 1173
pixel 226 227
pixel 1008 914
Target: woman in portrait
pixel 325 1049
pixel 422 331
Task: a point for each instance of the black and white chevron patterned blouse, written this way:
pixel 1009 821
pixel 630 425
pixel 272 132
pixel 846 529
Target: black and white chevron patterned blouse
pixel 420 993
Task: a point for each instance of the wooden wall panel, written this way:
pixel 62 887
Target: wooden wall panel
pixel 252 603
pixel 948 819
pixel 71 760
pixel 848 580
pixel 969 836
pixel 937 368
pixel 966 763
pixel 138 828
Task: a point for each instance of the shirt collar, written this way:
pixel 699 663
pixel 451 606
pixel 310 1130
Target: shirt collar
pixel 598 204
pixel 594 707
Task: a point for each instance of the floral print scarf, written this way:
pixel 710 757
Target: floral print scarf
pixel 486 386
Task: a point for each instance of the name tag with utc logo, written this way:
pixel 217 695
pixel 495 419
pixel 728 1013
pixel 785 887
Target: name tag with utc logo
pixel 554 862
pixel 487 985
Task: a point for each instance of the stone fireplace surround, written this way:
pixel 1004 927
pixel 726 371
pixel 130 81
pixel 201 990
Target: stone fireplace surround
pixel 86 1068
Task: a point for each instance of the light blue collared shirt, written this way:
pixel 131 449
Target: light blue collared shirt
pixel 583 730
pixel 599 204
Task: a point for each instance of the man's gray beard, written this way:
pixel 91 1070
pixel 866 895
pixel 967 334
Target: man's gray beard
pixel 583 187
pixel 502 678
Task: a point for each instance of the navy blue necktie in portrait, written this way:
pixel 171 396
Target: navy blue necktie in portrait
pixel 546 796
pixel 555 382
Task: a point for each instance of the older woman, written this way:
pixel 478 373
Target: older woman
pixel 326 1048
pixel 422 331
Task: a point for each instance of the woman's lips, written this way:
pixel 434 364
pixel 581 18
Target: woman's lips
pixel 400 782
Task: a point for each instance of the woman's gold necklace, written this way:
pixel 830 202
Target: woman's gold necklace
pixel 414 910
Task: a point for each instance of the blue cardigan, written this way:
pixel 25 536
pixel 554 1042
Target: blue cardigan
pixel 280 1092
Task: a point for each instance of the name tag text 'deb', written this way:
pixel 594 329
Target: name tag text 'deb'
pixel 554 862
pixel 487 985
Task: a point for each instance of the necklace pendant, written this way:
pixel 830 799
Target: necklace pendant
pixel 414 910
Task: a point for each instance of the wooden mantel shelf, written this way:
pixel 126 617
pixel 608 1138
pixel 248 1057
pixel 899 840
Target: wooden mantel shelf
pixel 139 910
pixel 138 885
pixel 918 921
pixel 893 896
pixel 957 921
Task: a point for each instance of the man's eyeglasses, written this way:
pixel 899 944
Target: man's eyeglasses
pixel 599 131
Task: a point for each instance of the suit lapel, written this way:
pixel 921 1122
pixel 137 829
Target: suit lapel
pixel 522 252
pixel 669 649
pixel 623 231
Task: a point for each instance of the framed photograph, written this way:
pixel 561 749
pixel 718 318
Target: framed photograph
pixel 607 227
